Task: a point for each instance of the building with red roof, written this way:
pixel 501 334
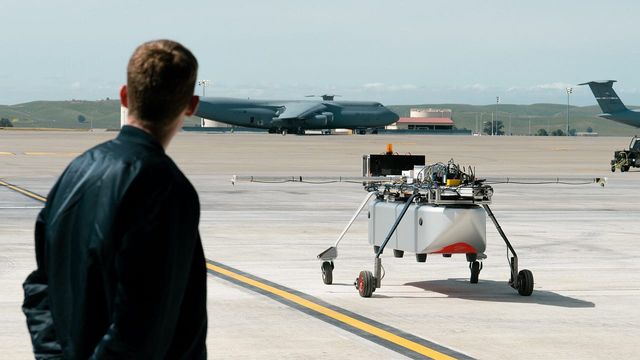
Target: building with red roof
pixel 425 119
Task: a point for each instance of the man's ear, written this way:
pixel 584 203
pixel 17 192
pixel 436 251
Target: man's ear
pixel 193 105
pixel 123 96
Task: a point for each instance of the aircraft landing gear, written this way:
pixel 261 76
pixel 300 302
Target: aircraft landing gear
pixel 284 132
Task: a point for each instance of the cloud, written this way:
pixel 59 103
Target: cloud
pixel 75 85
pixel 375 85
pixel 624 90
pixel 475 87
pixel 553 86
pixel 402 87
pixel 378 86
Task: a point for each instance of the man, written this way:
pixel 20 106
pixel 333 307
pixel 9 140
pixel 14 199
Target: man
pixel 121 271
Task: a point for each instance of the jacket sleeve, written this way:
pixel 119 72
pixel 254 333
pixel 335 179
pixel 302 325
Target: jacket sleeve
pixel 152 271
pixel 36 302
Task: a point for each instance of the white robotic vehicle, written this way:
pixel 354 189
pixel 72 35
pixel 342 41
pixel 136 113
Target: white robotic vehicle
pixel 433 209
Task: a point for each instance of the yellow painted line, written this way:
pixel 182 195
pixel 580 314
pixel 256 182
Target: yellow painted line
pixel 45 153
pixel 6 153
pixel 23 192
pixel 333 314
pixel 336 315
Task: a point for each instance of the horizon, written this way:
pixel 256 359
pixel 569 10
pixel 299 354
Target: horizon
pixel 302 99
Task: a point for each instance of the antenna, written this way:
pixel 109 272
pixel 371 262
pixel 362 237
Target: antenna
pixel 325 97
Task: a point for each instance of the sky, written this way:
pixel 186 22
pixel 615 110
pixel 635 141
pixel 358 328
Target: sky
pixel 395 52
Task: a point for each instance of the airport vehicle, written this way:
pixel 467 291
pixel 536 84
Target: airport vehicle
pixel 611 105
pixel 295 116
pixel 625 159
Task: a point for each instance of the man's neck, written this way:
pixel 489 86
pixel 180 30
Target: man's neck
pixel 162 135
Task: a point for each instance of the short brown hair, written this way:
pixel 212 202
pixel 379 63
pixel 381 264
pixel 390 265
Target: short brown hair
pixel 161 77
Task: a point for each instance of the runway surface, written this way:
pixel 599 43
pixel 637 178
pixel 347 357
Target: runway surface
pixel 577 241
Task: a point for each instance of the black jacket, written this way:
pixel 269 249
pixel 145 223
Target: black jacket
pixel 121 272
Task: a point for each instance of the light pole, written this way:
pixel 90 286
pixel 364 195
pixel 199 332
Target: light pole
pixel 492 114
pixel 569 91
pixel 204 84
pixel 492 125
pixel 476 123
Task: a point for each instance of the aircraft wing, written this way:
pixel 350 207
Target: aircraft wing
pixel 299 110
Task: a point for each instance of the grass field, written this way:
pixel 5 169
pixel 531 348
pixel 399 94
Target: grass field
pixel 517 119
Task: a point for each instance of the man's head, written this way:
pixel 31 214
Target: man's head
pixel 161 77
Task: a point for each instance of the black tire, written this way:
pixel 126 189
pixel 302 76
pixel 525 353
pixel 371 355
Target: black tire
pixel 327 273
pixel 421 257
pixel 475 272
pixel 366 283
pixel 525 282
pixel 376 248
pixel 613 169
pixel 398 253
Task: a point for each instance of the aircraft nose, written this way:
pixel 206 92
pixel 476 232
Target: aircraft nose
pixel 391 116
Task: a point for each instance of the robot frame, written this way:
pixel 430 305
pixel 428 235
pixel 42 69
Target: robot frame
pixel 433 209
pixel 439 208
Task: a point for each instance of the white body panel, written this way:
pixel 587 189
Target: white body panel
pixel 447 229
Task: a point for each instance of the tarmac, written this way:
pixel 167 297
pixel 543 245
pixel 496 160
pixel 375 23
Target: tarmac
pixel 266 298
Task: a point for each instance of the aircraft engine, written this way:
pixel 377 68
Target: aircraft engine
pixel 320 121
pixel 329 116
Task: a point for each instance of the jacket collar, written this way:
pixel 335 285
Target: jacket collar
pixel 132 134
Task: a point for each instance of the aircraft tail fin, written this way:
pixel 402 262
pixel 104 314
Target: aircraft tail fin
pixel 605 95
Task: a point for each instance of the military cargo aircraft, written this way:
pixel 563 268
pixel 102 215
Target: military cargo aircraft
pixel 296 116
pixel 611 105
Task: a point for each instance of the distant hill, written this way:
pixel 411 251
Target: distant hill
pixel 540 116
pixel 78 114
pixel 72 114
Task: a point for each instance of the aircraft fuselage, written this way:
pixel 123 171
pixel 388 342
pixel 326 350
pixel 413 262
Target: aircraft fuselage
pixel 628 117
pixel 295 116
